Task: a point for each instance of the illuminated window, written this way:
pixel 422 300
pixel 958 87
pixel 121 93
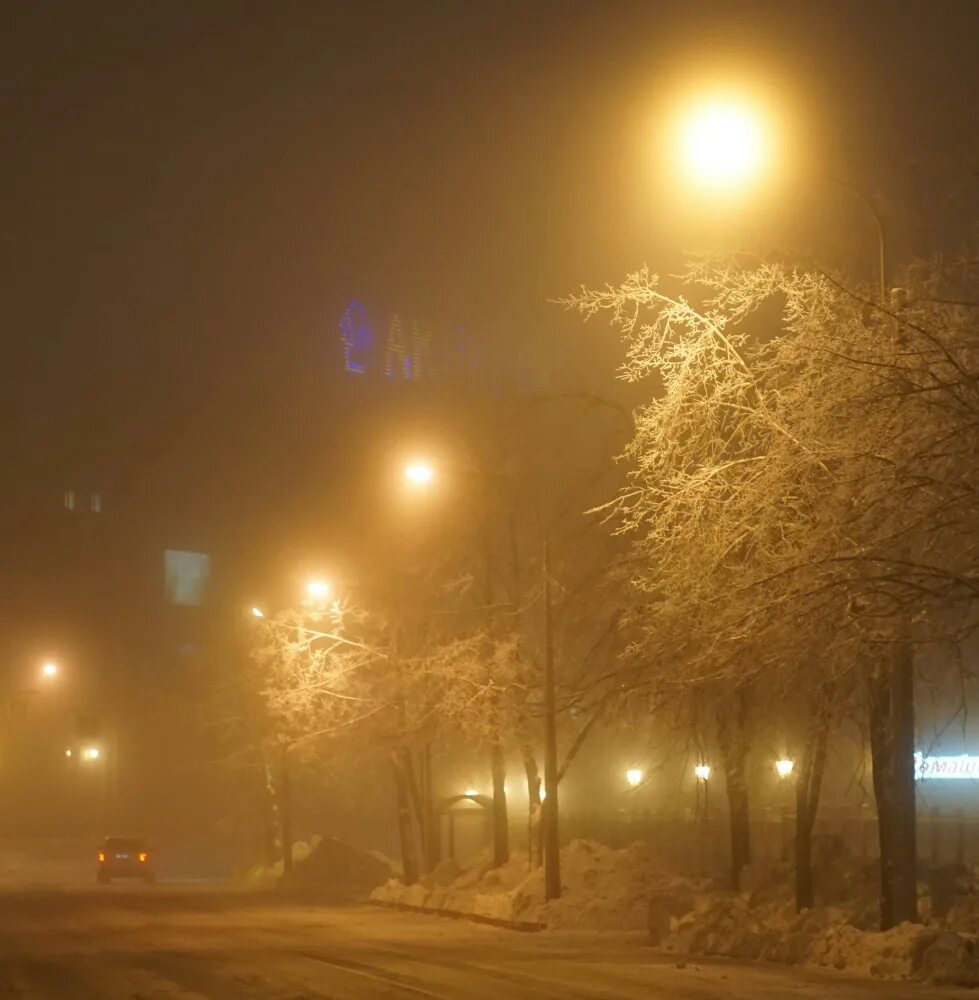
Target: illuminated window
pixel 95 503
pixel 69 499
pixel 186 575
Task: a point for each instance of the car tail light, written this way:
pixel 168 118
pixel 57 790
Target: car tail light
pixel 101 855
pixel 143 856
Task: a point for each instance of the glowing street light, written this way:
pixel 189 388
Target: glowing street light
pixel 68 752
pixel 634 777
pixel 49 670
pixel 419 473
pixel 722 142
pixel 318 590
pixel 91 753
pixel 470 793
pixel 702 772
pixel 784 767
pixel 258 613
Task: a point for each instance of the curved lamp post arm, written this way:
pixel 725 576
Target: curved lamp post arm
pixel 868 203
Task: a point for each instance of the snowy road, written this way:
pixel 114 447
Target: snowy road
pixel 192 943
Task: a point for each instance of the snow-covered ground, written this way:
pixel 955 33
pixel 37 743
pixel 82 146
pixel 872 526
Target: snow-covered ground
pixel 626 890
pixel 144 943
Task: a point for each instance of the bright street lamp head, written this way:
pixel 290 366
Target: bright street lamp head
pixel 91 753
pixel 419 473
pixel 49 670
pixel 258 613
pixel 470 793
pixel 634 777
pixel 722 143
pixel 702 771
pixel 318 590
pixel 784 767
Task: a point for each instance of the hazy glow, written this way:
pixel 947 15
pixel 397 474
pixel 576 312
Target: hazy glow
pixel 784 767
pixel 470 793
pixel 258 613
pixel 68 752
pixel 49 670
pixel 702 771
pixel 318 590
pixel 634 777
pixel 91 753
pixel 419 473
pixel 722 143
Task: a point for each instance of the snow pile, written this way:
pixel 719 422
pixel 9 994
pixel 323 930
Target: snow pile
pixel 625 890
pixel 325 864
pixel 602 889
pixel 761 923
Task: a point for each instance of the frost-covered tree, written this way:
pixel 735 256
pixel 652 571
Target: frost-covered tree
pixel 310 682
pixel 804 469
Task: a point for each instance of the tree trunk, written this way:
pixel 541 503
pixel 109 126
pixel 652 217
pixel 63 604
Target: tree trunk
pixel 905 842
pixel 535 844
pixel 737 796
pixel 268 825
pixel 406 832
pixel 891 702
pixel 550 813
pixel 501 828
pixel 433 838
pixel 733 734
pixel 809 783
pixel 417 806
pixel 284 796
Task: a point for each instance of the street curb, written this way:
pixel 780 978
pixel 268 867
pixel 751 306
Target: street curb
pixel 525 926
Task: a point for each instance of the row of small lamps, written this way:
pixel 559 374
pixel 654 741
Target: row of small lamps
pixel 634 776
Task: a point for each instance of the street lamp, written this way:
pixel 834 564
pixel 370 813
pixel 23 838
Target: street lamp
pixel 91 754
pixel 702 772
pixel 258 613
pixel 723 142
pixel 634 777
pixel 318 590
pixel 784 767
pixel 49 670
pixel 419 473
pixel 471 793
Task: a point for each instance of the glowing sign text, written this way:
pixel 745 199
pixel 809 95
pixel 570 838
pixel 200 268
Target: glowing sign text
pixel 965 766
pixel 357 333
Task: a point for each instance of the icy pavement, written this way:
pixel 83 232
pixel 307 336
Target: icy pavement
pixel 136 943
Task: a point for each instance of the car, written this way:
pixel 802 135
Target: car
pixel 125 857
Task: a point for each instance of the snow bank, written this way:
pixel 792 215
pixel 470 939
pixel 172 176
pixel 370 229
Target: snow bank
pixel 325 864
pixel 762 924
pixel 603 889
pixel 626 890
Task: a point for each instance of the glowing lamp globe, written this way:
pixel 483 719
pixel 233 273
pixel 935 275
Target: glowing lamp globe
pixel 722 144
pixel 784 767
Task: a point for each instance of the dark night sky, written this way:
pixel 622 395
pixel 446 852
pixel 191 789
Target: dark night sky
pixel 190 189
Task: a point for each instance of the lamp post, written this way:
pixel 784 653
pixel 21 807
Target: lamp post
pixel 728 146
pixel 421 473
pixel 724 142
